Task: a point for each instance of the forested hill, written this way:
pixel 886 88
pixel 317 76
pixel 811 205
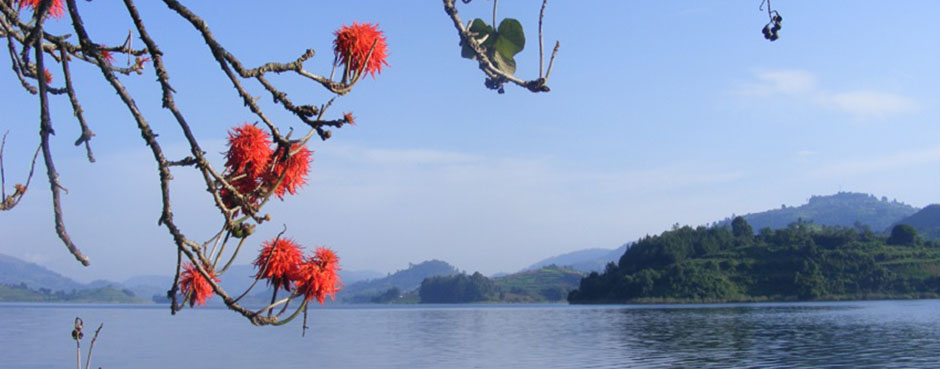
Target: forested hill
pixel 842 209
pixel 800 262
pixel 402 281
pixel 927 221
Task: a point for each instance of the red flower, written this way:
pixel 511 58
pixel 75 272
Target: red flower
pixel 105 54
pixel 282 257
pixel 294 168
pixel 47 76
pixel 194 287
pixel 56 10
pixel 353 43
pixel 327 258
pixel 317 278
pixel 349 118
pixel 249 151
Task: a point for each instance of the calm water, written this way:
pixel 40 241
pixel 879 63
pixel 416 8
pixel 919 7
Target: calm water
pixel 899 334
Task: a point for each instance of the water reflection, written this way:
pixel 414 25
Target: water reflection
pixel 900 334
pixel 834 336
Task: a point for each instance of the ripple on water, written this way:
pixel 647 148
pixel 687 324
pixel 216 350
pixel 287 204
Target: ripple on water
pixel 892 334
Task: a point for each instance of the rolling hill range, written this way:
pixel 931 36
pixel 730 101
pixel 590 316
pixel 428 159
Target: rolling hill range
pixel 843 209
pixel 587 260
pixel 403 280
pixel 14 271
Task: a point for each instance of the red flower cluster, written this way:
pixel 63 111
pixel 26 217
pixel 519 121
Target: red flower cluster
pixel 47 76
pixel 314 277
pixel 353 43
pixel 249 151
pixel 194 287
pixel 249 162
pixel 56 10
pixel 294 168
pixel 278 262
pixel 317 277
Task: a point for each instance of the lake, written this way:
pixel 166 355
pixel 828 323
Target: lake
pixel 900 334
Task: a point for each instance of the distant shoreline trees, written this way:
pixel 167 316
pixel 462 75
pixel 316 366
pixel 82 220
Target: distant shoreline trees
pixel 801 262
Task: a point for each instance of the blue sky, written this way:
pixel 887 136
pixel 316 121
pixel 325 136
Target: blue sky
pixel 660 113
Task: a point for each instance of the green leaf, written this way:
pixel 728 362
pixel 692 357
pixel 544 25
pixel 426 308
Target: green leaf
pixel 505 64
pixel 511 38
pixel 480 29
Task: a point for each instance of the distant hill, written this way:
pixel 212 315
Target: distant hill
pixel 14 271
pixel 926 221
pixel 843 209
pixel 586 261
pixel 105 295
pixel 548 284
pixel 551 283
pixel 404 280
pixel 803 261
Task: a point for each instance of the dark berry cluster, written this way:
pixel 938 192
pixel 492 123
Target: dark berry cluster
pixel 773 27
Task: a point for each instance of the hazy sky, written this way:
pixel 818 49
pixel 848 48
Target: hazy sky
pixel 660 113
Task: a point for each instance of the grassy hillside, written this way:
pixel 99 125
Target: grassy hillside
pixel 551 283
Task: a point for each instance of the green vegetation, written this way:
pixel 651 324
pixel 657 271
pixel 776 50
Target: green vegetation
pixel 105 295
pixel 926 221
pixel 803 261
pixel 456 289
pixel 549 284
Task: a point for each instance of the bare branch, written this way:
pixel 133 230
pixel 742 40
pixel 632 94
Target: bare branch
pixel 44 132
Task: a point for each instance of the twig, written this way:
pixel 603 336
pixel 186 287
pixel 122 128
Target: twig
pixel 234 254
pixel 541 43
pixel 552 60
pixel 302 306
pixel 3 178
pixel 87 134
pixel 92 345
pixel 7 203
pixel 303 330
pixel 494 13
pixel 176 279
pixel 264 268
pixel 77 336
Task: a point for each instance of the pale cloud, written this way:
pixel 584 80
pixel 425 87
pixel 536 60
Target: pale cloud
pixel 884 163
pixel 803 87
pixel 415 156
pixel 868 103
pixel 785 82
pixel 806 153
